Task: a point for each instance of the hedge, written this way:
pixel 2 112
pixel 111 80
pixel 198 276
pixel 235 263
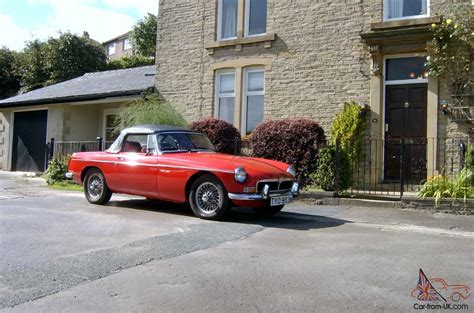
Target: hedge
pixel 325 174
pixel 223 135
pixel 295 141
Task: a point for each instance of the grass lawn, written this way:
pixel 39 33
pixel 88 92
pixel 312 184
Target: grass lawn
pixel 66 185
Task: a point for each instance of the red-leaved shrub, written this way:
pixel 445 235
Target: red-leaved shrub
pixel 295 141
pixel 223 135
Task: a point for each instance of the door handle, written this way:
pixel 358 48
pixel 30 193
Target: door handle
pixel 121 158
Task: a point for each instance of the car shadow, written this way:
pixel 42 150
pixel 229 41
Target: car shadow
pixel 285 219
pixel 154 206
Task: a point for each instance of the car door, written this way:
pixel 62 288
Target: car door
pixel 136 165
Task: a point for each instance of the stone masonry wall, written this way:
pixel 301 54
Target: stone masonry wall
pixel 318 59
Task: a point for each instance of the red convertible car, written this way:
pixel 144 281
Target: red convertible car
pixel 180 165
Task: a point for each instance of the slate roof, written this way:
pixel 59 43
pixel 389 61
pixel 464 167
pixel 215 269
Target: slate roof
pixel 123 36
pixel 90 86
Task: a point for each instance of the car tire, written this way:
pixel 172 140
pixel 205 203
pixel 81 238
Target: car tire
pixel 208 198
pixel 95 187
pixel 268 210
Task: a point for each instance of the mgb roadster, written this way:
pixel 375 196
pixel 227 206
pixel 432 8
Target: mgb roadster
pixel 181 165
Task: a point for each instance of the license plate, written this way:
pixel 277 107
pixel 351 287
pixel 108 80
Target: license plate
pixel 279 200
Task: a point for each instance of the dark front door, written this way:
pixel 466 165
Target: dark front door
pixel 29 141
pixel 405 121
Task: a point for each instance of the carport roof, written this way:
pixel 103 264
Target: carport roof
pixel 90 86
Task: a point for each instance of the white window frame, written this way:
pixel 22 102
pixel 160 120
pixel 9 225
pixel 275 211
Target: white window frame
pixel 247 21
pixel 219 22
pixel 386 18
pixel 109 48
pixel 402 81
pixel 219 95
pixel 106 113
pixel 246 93
pixel 124 45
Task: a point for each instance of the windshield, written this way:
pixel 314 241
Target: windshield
pixel 184 142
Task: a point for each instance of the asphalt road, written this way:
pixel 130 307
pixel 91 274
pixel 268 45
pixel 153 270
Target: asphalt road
pixel 60 254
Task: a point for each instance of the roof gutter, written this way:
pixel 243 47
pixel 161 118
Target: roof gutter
pixel 97 96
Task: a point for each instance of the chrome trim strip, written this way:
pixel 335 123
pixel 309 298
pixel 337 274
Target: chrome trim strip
pixel 159 165
pixel 274 179
pixel 197 168
pixel 256 196
pixel 97 161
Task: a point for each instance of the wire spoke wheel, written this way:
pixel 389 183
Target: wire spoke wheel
pixel 208 198
pixel 95 186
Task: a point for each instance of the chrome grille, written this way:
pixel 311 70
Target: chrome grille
pixel 274 185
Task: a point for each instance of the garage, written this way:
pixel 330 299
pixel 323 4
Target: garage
pixel 29 141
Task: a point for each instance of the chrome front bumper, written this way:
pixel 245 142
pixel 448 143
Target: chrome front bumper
pixel 266 194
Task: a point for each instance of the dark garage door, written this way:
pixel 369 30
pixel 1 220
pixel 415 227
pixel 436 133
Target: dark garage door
pixel 29 141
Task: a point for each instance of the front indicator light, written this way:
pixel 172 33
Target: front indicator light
pixel 250 190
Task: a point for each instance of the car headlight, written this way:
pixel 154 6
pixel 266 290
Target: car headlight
pixel 240 174
pixel 291 170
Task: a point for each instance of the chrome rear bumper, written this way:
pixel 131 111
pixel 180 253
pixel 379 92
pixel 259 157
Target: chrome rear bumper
pixel 69 175
pixel 295 189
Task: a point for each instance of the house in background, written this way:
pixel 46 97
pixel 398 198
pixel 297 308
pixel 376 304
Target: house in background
pixel 247 61
pixel 118 47
pixel 79 109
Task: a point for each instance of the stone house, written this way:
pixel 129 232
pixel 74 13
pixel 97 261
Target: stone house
pixel 248 61
pixel 118 47
pixel 74 113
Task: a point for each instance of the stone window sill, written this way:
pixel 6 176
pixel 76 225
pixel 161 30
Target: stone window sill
pixel 239 42
pixel 405 23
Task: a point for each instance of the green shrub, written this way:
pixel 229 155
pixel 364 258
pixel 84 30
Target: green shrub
pixel 469 158
pixel 349 128
pixel 295 141
pixel 325 174
pixel 151 109
pixel 57 167
pixel 440 186
pixel 469 161
pixel 222 134
pixel 129 62
pixel 451 49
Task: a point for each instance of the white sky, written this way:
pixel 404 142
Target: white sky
pixel 23 20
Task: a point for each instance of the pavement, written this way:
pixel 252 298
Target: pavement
pixel 61 254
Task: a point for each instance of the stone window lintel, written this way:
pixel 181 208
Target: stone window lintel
pixel 267 39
